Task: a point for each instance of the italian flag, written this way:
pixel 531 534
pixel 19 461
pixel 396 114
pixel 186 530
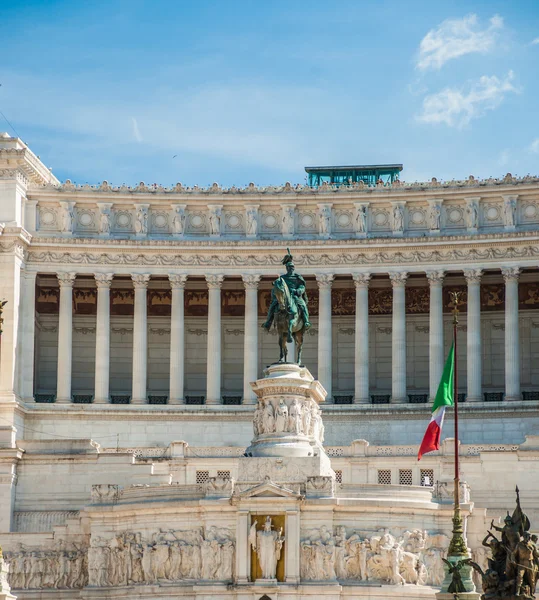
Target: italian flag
pixel 444 397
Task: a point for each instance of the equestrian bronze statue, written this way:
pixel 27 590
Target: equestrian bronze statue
pixel 288 309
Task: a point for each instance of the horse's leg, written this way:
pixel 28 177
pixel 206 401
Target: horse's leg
pixel 284 338
pixel 299 344
pixel 281 354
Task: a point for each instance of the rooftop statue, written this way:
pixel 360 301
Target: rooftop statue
pixel 289 309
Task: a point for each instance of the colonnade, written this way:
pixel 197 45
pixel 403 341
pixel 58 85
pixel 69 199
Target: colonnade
pixel 251 281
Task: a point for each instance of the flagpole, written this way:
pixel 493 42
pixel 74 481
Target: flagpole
pixel 457 546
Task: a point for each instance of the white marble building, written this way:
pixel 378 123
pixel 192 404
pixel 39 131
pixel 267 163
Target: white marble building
pixel 133 322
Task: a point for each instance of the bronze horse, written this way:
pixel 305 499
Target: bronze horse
pixel 288 320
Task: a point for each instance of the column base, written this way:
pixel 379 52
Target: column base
pixel 210 402
pixel 139 401
pixel 63 401
pixel 362 400
pixel 394 400
pixel 474 399
pixel 176 400
pixel 517 398
pixel 101 400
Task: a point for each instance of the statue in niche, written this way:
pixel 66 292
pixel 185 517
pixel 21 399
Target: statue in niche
pixel 104 222
pixel 178 222
pixel 325 220
pixel 510 212
pixel 473 215
pixel 215 221
pixel 68 218
pixel 288 220
pixel 267 544
pixel 435 214
pixel 398 218
pixel 141 221
pixel 252 222
pixel 361 219
pixel 294 417
pixel 268 418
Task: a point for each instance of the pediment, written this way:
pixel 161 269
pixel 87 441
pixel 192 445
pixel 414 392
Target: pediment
pixel 268 489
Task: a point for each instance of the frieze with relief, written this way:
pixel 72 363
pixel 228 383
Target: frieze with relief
pixel 85 301
pixel 528 296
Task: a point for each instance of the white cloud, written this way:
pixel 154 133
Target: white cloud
pixel 534 146
pixel 136 131
pixel 457 108
pixel 535 41
pixel 504 158
pixel 455 38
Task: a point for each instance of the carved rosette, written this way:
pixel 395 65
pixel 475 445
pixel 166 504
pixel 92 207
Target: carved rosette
pixel 287 421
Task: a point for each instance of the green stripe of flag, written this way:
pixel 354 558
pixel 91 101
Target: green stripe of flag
pixel 444 395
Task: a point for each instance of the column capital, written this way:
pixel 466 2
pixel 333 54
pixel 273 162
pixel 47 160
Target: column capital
pixel 214 281
pixel 140 281
pixel 398 279
pixel 510 273
pixel 251 281
pixel 435 277
pixel 177 282
pixel 66 279
pixel 26 274
pixel 361 279
pixel 103 280
pixel 473 275
pixel 324 280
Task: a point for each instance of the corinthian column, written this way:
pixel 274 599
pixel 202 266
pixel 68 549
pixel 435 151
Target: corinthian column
pixel 102 337
pixel 361 395
pixel 325 371
pixel 65 337
pixel 213 393
pixel 177 339
pixel 27 343
pixel 436 331
pixel 512 346
pixel 473 277
pixel 250 344
pixel 398 362
pixel 140 340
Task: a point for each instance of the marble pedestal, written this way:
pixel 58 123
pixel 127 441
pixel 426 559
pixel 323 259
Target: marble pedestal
pixel 287 421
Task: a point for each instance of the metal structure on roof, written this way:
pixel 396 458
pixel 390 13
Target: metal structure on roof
pixel 348 175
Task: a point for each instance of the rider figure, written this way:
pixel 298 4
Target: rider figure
pixel 296 285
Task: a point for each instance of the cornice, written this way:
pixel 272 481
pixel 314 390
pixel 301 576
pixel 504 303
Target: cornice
pixel 25 163
pixel 287 192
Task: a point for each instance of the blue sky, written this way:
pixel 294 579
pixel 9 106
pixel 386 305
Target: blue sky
pixel 238 91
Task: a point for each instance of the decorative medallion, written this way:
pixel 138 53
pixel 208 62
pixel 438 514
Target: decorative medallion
pixel 271 221
pixel 343 219
pixel 85 218
pixel 380 217
pixel 492 212
pixel 530 211
pixel 123 219
pixel 418 217
pixel 306 220
pixel 47 217
pixel 454 215
pixel 160 220
pixel 197 221
pixel 233 220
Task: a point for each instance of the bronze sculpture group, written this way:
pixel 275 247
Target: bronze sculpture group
pixel 513 570
pixel 289 309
